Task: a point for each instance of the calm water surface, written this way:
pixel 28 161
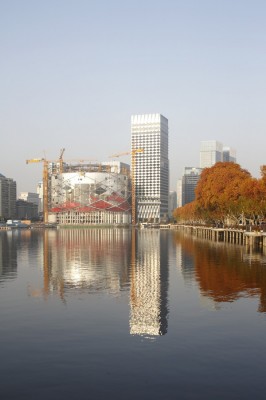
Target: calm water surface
pixel 99 313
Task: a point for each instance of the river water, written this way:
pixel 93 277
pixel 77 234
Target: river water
pixel 99 313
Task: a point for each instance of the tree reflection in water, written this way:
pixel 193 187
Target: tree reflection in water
pixel 225 272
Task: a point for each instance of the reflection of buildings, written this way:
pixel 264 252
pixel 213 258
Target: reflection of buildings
pixel 185 258
pixel 8 256
pixel 149 283
pixel 16 246
pixel 91 259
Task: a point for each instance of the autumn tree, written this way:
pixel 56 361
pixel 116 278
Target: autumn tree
pixel 263 173
pixel 219 190
pixel 186 213
pixel 227 192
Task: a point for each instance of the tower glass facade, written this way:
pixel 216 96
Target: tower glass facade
pixel 189 182
pixel 151 172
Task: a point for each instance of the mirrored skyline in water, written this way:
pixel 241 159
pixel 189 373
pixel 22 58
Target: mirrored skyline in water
pixel 92 313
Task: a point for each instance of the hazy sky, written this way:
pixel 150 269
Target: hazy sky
pixel 74 71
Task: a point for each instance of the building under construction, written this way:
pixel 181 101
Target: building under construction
pixel 89 193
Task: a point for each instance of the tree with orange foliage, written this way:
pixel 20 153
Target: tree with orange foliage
pixel 263 173
pixel 219 190
pixel 186 213
pixel 225 193
pixel 253 201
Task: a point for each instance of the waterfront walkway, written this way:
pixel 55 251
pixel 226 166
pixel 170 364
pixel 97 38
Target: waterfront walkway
pixel 228 235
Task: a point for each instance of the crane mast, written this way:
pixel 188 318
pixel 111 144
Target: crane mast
pixel 45 179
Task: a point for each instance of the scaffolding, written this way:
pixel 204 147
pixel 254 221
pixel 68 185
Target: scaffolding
pixel 95 193
pixel 85 191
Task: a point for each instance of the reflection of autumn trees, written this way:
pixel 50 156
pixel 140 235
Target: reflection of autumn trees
pixel 226 191
pixel 221 273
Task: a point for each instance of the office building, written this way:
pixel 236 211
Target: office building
pixel 172 203
pixel 39 191
pixel 211 152
pixel 151 173
pixel 31 198
pixel 26 210
pixel 189 182
pixel 229 154
pixel 8 194
pixel 179 193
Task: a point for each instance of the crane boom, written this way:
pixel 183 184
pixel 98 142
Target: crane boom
pixel 34 160
pixel 128 152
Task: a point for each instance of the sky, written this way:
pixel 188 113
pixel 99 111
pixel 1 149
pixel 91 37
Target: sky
pixel 74 71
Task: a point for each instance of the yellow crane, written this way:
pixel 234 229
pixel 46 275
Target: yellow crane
pixel 133 153
pixel 46 180
pixel 61 161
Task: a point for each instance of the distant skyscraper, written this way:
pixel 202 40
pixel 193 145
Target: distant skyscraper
pixel 8 195
pixel 179 193
pixel 229 154
pixel 211 152
pixel 150 132
pixel 40 194
pixel 189 182
pixel 172 203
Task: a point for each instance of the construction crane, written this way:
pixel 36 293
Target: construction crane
pixel 45 179
pixel 81 160
pixel 133 153
pixel 61 161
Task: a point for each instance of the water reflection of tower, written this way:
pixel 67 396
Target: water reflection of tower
pixel 149 283
pixel 184 256
pixel 187 264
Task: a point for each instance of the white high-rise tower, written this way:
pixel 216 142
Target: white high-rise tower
pixel 150 133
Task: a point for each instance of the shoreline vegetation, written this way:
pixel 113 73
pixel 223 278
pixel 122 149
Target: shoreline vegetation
pixel 226 195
